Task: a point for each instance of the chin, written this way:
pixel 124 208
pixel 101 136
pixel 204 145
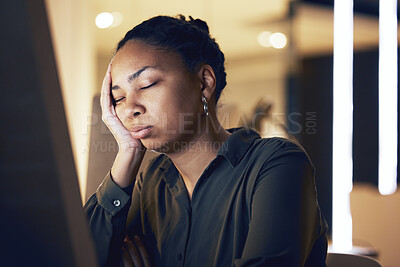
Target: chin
pixel 167 143
pixel 168 147
pixel 156 146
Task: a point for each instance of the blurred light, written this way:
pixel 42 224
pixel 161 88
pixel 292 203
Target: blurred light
pixel 387 97
pixel 263 39
pixel 278 40
pixel 342 159
pixel 117 19
pixel 104 20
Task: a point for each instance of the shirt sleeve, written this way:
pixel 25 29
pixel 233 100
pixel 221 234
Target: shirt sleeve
pixel 285 218
pixel 107 211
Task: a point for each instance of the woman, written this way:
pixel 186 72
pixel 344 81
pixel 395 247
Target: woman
pixel 213 197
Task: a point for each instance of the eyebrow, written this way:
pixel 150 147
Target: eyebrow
pixel 136 74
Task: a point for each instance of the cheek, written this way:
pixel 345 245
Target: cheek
pixel 170 103
pixel 176 107
pixel 182 117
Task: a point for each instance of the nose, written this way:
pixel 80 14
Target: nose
pixel 134 108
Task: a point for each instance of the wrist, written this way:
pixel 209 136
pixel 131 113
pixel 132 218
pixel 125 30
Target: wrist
pixel 126 166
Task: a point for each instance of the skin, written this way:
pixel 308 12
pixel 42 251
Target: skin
pixel 134 253
pixel 170 94
pixel 153 87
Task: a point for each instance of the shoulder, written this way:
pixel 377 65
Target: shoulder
pixel 275 148
pixel 281 161
pixel 284 167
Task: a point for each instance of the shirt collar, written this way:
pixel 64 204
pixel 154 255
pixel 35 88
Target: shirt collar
pixel 237 144
pixel 232 149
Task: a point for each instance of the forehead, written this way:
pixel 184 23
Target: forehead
pixel 136 54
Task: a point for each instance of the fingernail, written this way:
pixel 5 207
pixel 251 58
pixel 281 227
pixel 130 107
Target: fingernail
pixel 136 237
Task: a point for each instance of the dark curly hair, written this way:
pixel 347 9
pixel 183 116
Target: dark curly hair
pixel 189 38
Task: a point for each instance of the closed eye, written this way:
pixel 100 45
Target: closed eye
pixel 145 87
pixel 118 100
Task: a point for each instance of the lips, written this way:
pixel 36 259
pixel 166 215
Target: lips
pixel 140 131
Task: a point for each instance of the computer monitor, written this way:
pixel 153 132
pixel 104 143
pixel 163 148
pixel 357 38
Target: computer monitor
pixel 42 221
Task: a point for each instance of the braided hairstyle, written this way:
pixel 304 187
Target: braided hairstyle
pixel 189 38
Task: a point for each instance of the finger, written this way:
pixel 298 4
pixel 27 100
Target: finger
pixel 142 250
pixel 133 252
pixel 105 97
pixel 126 260
pixel 109 116
pixel 106 90
pixel 107 106
pixel 106 79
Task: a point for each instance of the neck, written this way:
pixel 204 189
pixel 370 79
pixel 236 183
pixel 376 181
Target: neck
pixel 192 161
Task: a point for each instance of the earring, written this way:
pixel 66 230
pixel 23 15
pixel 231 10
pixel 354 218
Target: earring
pixel 205 105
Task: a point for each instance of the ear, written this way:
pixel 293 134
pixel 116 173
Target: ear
pixel 208 80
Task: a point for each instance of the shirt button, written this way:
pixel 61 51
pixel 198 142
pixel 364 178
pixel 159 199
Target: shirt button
pixel 179 257
pixel 117 203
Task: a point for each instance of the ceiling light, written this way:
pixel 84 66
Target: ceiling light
pixel 104 20
pixel 278 40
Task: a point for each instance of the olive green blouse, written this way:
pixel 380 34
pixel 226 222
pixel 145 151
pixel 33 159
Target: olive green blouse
pixel 254 205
